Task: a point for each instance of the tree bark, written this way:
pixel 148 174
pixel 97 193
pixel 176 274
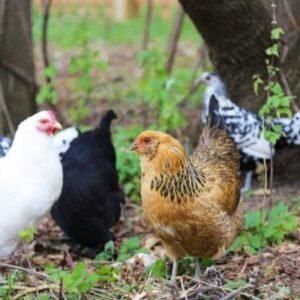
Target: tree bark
pixel 236 32
pixel 16 61
pixel 173 39
pixel 148 22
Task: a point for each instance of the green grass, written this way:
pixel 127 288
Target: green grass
pixel 67 28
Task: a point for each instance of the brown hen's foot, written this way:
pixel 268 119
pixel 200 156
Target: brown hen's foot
pixel 197 268
pixel 172 281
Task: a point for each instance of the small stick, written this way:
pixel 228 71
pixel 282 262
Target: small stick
pixel 34 289
pixel 31 272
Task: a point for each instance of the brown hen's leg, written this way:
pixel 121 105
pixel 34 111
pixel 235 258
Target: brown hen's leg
pixel 172 281
pixel 197 267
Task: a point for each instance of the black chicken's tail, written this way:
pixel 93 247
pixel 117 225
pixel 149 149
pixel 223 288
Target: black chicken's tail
pixel 107 118
pixel 214 117
pixel 105 122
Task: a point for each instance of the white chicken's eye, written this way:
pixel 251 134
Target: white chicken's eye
pixel 43 121
pixel 207 77
pixel 64 142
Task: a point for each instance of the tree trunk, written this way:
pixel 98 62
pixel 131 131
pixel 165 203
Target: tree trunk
pixel 236 33
pixel 173 39
pixel 16 61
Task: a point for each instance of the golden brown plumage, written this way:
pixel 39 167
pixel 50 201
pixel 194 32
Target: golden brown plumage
pixel 191 203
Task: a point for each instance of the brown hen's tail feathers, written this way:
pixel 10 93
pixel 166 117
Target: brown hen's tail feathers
pixel 214 118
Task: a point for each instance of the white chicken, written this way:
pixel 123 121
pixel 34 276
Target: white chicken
pixel 30 178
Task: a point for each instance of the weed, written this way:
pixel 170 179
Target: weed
pixel 76 282
pixel 27 234
pixel 259 233
pixel 128 165
pixel 129 248
pixel 277 104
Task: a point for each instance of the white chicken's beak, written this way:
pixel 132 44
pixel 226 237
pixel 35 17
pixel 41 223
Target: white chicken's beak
pixel 56 127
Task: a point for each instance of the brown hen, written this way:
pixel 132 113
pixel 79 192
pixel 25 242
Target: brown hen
pixel 191 203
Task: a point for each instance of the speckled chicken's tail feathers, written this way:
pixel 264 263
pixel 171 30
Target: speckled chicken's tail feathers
pixel 214 117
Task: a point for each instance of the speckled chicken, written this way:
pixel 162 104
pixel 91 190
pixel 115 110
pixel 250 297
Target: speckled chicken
pixel 191 203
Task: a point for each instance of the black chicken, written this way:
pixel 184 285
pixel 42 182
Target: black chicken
pixel 91 199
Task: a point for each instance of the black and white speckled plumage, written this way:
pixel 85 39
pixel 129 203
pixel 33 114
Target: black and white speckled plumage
pixel 290 130
pixel 5 144
pixel 243 126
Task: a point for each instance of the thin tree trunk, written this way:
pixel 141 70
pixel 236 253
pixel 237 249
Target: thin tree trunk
pixel 16 61
pixel 173 40
pixel 147 27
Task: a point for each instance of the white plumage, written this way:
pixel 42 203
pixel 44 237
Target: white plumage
pixel 62 141
pixel 64 138
pixel 30 179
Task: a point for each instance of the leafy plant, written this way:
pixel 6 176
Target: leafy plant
pixel 259 232
pixel 7 290
pixel 162 91
pixel 107 253
pixel 128 164
pixel 83 65
pixel 108 273
pixel 158 269
pixel 129 248
pixel 27 234
pixel 277 104
pixel 76 282
pixel 47 93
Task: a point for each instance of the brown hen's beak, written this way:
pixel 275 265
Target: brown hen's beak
pixel 133 147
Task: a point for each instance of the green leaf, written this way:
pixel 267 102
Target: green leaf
pixel 276 33
pixel 256 241
pixel 273 51
pixel 253 219
pixel 233 285
pixel 107 273
pixel 158 269
pixel 108 253
pixel 27 234
pixel 129 248
pixel 50 72
pixel 257 83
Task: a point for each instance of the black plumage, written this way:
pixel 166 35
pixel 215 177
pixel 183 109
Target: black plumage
pixel 90 202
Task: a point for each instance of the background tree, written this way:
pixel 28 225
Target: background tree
pixel 237 33
pixel 16 62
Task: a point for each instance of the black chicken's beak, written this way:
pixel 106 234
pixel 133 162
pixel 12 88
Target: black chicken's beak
pixel 133 147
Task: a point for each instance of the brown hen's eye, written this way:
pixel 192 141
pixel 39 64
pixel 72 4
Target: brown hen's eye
pixel 147 140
